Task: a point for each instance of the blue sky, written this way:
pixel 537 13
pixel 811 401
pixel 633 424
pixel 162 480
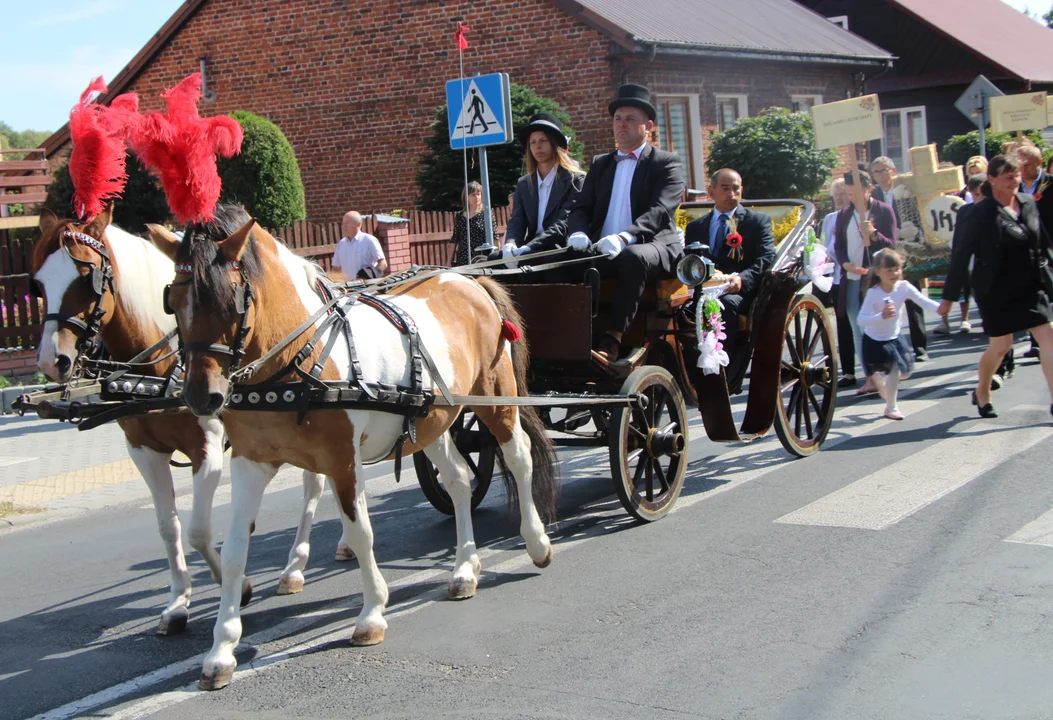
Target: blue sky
pixel 52 49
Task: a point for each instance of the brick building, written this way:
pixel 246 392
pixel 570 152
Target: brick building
pixel 354 85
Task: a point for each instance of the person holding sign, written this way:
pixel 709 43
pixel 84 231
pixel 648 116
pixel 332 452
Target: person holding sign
pixel 626 211
pixel 1011 287
pixel 856 238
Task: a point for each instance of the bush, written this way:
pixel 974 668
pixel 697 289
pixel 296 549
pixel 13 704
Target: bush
pixel 775 154
pixel 142 202
pixel 264 177
pixel 440 178
pixel 959 148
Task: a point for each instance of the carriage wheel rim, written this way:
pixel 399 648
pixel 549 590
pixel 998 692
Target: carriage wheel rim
pixel 802 403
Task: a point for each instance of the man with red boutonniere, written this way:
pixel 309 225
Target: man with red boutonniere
pixel 740 243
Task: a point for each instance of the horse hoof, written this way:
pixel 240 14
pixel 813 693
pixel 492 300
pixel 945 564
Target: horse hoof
pixel 290 585
pixel 246 592
pixel 217 681
pixel 344 553
pixel 461 589
pixel 546 561
pixel 365 638
pixel 175 623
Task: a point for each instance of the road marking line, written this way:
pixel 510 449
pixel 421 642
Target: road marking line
pixel 1037 532
pixel 8 461
pixel 883 498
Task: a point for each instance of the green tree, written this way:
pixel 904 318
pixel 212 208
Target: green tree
pixel 1048 17
pixel 264 177
pixel 440 176
pixel 10 138
pixel 774 153
pixel 142 201
pixel 959 148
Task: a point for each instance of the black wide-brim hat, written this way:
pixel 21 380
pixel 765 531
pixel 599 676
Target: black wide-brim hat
pixel 636 96
pixel 547 123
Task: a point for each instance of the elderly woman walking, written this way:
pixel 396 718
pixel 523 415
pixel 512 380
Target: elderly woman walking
pixel 1005 236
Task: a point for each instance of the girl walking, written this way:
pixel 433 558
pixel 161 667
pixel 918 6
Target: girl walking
pixel 886 355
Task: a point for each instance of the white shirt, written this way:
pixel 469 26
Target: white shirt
pixel 884 329
pixel 544 192
pixel 855 245
pixel 620 209
pixel 361 251
pixel 828 227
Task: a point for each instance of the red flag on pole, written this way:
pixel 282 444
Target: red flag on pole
pixel 462 41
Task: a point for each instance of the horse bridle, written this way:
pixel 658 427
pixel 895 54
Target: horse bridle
pixel 243 296
pixel 89 331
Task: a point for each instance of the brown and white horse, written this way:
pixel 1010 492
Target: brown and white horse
pixel 65 261
pixel 459 321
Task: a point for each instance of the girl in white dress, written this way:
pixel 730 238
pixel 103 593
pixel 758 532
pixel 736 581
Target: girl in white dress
pixel 886 354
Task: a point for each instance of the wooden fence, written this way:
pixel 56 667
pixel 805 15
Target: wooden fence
pixel 20 312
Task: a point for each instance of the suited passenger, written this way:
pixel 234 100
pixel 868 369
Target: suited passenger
pixel 544 195
pixel 626 211
pixel 740 242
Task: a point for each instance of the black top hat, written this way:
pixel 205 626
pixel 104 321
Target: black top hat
pixel 636 96
pixel 548 123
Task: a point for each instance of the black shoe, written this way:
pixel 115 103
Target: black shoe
pixel 987 411
pixel 921 355
pixel 1032 352
pixel 997 381
pixel 847 381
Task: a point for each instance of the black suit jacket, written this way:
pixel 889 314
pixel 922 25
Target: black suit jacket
pixel 758 247
pixel 523 226
pixel 1044 200
pixel 657 186
pixel 980 234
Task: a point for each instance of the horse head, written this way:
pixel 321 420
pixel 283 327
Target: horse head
pixel 73 273
pixel 216 265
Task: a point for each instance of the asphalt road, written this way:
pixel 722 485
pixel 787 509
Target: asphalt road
pixel 906 571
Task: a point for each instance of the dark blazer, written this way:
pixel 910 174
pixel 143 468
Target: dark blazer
pixel 884 221
pixel 758 247
pixel 877 193
pixel 980 235
pixel 654 195
pixel 1044 199
pixel 523 226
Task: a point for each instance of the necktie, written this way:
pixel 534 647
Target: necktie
pixel 722 233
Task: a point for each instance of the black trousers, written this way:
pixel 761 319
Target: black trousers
pixel 734 307
pixel 635 267
pixel 846 348
pixel 919 340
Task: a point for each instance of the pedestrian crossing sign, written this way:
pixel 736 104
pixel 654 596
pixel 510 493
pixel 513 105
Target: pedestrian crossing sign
pixel 480 111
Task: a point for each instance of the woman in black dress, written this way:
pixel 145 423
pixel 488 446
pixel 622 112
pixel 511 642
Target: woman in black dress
pixel 1004 234
pixel 471 218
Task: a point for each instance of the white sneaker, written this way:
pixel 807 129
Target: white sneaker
pixel 944 328
pixel 965 327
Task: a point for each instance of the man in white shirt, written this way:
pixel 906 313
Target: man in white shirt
pixel 357 250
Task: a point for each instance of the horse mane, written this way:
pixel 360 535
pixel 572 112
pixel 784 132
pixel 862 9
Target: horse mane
pixel 199 247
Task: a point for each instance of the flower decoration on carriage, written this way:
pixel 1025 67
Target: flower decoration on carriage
pixel 97 161
pixel 734 240
pixel 709 324
pixel 817 264
pixel 181 147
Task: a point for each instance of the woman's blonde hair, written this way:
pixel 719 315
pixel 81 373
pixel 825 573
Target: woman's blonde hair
pixel 564 160
pixel 976 160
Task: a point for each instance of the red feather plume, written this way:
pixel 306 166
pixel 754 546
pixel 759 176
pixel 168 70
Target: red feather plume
pixel 181 147
pixel 97 162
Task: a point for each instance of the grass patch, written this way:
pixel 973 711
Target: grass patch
pixel 9 508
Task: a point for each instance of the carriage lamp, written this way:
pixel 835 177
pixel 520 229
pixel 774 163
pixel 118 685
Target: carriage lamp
pixel 693 269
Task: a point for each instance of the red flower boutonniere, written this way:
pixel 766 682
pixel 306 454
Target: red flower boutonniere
pixel 734 240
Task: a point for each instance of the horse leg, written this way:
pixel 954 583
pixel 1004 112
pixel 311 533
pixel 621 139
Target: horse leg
pixel 291 579
pixel 455 477
pixel 344 553
pixel 206 480
pixel 248 481
pixel 158 476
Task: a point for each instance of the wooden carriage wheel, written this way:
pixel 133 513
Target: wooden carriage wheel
pixel 479 449
pixel 648 446
pixel 808 379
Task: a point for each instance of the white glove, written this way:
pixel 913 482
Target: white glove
pixel 525 250
pixel 610 245
pixel 508 250
pixel 578 241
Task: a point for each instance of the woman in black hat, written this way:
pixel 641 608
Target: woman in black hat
pixel 543 196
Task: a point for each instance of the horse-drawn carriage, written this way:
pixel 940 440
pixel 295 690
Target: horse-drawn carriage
pixel 638 409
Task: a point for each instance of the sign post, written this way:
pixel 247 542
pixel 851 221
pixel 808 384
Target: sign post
pixel 975 104
pixel 480 114
pixel 843 124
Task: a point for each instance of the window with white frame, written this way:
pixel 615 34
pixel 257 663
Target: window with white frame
pixel 805 103
pixel 730 109
pixel 679 130
pixel 903 129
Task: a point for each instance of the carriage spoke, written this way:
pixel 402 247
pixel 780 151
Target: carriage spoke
pixel 807 413
pixel 795 357
pixel 638 475
pixel 815 403
pixel 661 476
pixel 808 340
pixel 815 338
pixel 789 366
pixel 633 456
pixel 798 340
pixel 650 481
pixel 791 383
pixel 793 409
pixel 638 433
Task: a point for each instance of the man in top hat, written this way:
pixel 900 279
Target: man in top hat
pixel 626 210
pixel 544 195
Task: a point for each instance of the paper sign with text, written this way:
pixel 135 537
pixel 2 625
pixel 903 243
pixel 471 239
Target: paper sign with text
pixel 1026 111
pixel 846 122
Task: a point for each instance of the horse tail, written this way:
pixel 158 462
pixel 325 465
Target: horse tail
pixel 545 483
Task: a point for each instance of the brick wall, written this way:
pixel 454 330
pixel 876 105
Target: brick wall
pixel 17 363
pixel 354 86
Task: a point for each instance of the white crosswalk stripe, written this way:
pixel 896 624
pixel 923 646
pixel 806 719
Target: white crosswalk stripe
pixel 1036 532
